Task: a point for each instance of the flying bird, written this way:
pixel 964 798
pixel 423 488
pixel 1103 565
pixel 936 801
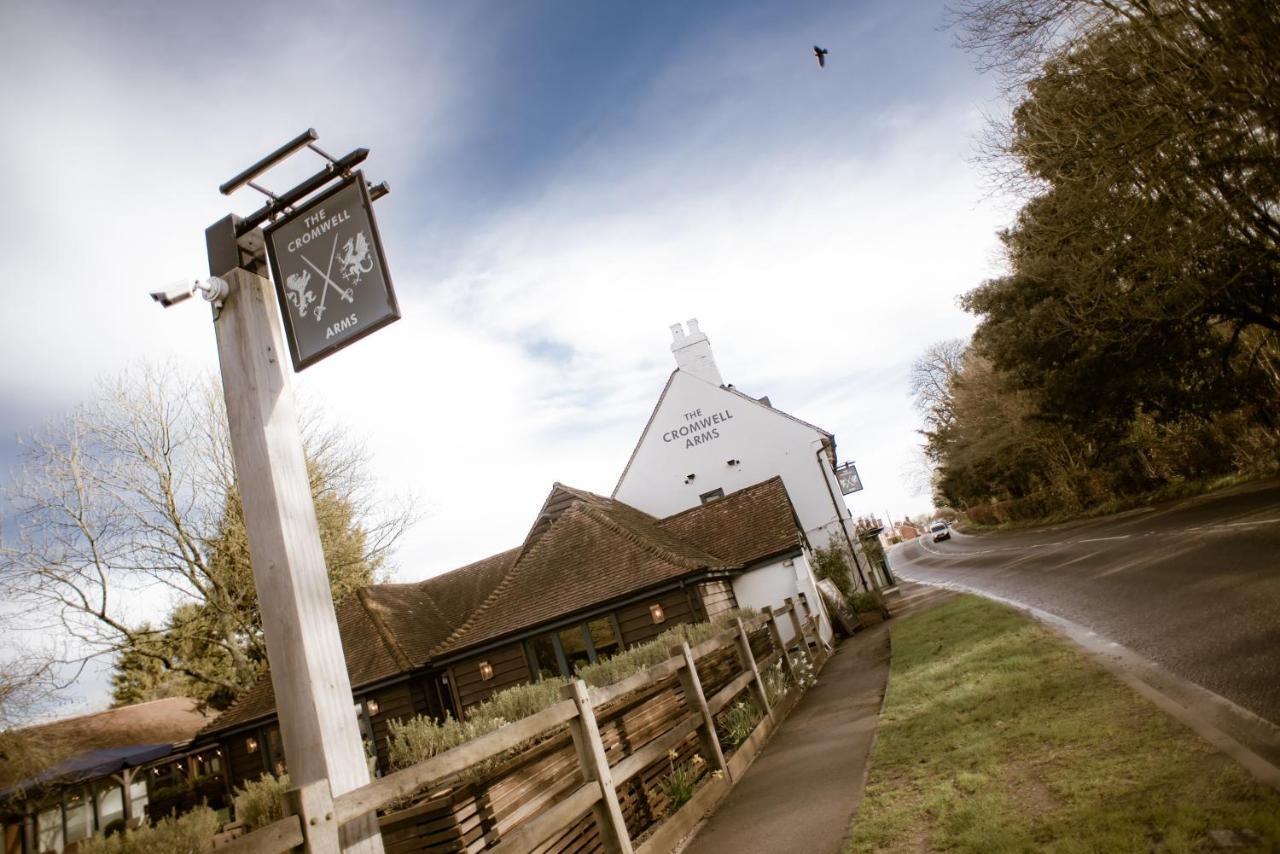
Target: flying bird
pixel 821 53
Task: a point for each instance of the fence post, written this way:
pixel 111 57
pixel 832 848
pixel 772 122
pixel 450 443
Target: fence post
pixel 695 699
pixel 798 628
pixel 313 805
pixel 595 768
pixel 776 637
pixel 748 660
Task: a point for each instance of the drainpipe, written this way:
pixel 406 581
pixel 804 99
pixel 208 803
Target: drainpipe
pixel 822 468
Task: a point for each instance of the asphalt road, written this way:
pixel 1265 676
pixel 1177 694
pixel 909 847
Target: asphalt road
pixel 1193 585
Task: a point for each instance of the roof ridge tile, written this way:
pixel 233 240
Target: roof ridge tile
pixel 371 610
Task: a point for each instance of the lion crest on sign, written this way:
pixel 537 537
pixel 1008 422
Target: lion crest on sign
pixel 296 289
pixel 354 260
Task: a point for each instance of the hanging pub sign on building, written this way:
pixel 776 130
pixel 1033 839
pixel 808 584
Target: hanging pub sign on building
pixel 847 475
pixel 330 276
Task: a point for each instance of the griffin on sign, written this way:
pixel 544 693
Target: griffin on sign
pixel 354 261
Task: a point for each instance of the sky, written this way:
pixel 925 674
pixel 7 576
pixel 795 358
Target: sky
pixel 568 180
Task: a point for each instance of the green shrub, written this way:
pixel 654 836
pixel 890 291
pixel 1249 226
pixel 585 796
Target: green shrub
pixel 520 701
pixel 261 801
pixel 739 722
pixel 866 602
pixel 650 654
pixel 185 834
pixel 418 739
pixel 830 563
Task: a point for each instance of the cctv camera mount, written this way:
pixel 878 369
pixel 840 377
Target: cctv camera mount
pixel 213 289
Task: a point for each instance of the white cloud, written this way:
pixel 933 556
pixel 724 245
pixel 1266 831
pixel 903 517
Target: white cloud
pixel 819 232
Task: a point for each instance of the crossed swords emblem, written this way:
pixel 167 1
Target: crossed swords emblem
pixel 302 298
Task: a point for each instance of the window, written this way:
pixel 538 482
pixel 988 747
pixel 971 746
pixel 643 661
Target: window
pixel 543 652
pixel 713 495
pixel 49 829
pixel 138 795
pixel 562 653
pixel 604 641
pixel 110 806
pixel 79 815
pixel 573 641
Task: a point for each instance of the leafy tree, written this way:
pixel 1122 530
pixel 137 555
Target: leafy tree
pixel 130 503
pixel 1136 336
pixel 138 678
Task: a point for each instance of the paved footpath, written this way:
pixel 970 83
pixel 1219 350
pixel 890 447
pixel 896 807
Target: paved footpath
pixel 803 789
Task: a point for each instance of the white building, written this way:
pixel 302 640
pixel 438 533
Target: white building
pixel 706 439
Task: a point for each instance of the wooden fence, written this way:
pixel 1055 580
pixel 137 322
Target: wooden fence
pixel 583 775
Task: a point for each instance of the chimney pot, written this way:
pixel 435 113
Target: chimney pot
pixel 693 352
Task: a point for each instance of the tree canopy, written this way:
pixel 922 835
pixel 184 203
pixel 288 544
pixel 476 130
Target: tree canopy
pixel 131 535
pixel 1134 338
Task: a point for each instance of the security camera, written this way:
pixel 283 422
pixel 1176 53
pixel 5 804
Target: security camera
pixel 175 293
pixel 214 290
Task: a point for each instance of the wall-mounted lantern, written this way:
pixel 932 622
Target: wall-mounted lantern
pixel 371 706
pixel 655 611
pixel 251 744
pixel 486 670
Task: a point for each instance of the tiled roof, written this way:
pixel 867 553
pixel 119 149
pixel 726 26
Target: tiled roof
pixel 389 628
pixel 168 721
pixel 744 527
pixel 597 551
pixel 421 616
pixel 590 551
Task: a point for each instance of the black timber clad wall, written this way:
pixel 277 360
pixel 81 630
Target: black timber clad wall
pixel 243 765
pixel 510 667
pixel 395 702
pixel 637 624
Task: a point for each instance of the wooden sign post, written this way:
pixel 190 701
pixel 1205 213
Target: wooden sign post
pixel 308 671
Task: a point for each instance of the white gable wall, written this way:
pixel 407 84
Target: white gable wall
pixel 698 428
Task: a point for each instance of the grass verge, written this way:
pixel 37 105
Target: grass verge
pixel 997 736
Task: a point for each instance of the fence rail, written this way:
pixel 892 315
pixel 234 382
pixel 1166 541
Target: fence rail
pixel 317 816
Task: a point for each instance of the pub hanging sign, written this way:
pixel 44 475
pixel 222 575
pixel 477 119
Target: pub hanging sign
pixel 847 475
pixel 330 274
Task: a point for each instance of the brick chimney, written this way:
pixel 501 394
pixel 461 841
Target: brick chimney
pixel 693 353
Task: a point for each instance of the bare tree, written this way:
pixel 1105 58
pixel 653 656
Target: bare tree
pixel 27 687
pixel 932 378
pixel 129 506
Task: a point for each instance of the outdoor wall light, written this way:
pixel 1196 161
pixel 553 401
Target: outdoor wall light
pixel 655 611
pixel 251 744
pixel 486 670
pixel 371 706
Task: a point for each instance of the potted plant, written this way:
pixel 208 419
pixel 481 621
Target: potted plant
pixel 869 607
